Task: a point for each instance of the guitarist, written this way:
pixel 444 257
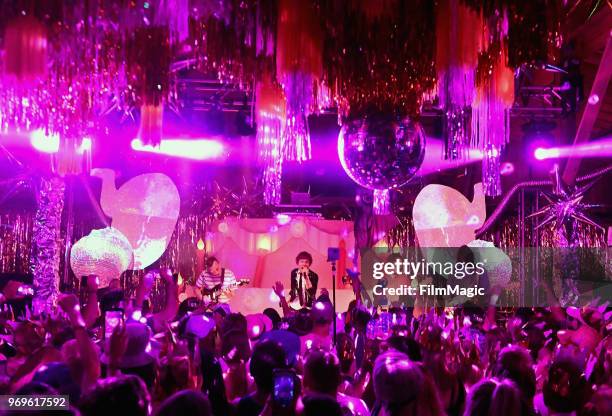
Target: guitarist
pixel 216 279
pixel 304 281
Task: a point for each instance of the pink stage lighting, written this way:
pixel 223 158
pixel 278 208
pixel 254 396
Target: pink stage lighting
pixel 433 163
pixel 597 149
pixel 197 149
pixel 44 143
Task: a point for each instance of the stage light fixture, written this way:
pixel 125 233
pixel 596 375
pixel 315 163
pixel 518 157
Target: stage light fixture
pixel 43 142
pixel 196 149
pixel 597 149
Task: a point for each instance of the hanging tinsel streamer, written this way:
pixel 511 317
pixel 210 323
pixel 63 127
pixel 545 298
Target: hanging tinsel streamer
pixel 299 48
pixel 46 251
pixel 234 39
pixel 402 235
pixel 149 68
pixel 73 157
pixel 296 135
pixel 492 103
pixel 382 202
pixel 174 14
pixel 516 32
pixel 80 67
pixel 15 242
pixel 270 116
pixel 534 31
pixel 458 31
pixel 379 55
pixel 25 46
pixel 534 27
pixel 182 248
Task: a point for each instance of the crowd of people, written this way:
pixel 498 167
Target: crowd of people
pixel 188 359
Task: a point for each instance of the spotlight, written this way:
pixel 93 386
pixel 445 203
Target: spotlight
pixel 593 99
pixel 197 149
pixel 542 153
pixel 597 149
pixel 43 142
pixel 538 136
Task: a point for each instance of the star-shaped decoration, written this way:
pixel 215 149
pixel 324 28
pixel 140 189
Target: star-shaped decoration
pixel 248 199
pixel 566 205
pixel 565 210
pixel 221 201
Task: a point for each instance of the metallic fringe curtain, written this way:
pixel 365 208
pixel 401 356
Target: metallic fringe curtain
pixel 15 242
pixel 46 250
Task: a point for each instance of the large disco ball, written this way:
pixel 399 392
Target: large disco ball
pixel 380 151
pixel 106 253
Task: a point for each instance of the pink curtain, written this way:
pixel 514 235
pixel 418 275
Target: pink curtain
pixel 264 250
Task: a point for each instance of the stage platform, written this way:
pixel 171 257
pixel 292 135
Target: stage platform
pixel 249 300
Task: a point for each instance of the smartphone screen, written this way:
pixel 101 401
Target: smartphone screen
pixel 112 318
pixel 284 387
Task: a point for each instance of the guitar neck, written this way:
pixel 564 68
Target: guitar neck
pixel 231 287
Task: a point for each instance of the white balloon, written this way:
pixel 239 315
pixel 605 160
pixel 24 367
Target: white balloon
pixel 145 209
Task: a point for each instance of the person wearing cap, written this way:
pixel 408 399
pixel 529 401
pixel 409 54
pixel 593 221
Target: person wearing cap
pixel 128 352
pixel 288 341
pixel 320 337
pixel 257 325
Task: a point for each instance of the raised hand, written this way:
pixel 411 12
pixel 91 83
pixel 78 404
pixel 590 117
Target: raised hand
pixel 279 289
pixel 117 345
pixel 92 283
pixel 69 303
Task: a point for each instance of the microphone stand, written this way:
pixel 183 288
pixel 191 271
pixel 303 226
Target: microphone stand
pixel 334 298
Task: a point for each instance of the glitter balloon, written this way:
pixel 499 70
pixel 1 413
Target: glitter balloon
pixel 380 152
pixel 106 253
pixel 496 263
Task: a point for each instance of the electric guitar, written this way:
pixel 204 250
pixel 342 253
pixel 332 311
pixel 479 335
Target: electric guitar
pixel 216 292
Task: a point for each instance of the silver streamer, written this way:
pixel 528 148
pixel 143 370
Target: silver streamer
pixel 46 251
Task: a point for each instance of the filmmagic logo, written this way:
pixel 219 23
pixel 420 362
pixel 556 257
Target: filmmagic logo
pixel 429 290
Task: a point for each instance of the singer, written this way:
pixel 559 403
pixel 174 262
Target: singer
pixel 303 281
